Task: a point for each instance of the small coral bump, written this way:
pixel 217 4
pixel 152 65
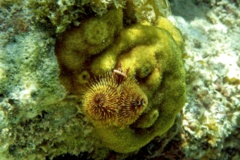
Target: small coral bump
pixel 96 32
pixel 83 77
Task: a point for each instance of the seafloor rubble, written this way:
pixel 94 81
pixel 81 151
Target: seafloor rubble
pixel 210 128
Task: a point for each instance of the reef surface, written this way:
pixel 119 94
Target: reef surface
pixel 34 121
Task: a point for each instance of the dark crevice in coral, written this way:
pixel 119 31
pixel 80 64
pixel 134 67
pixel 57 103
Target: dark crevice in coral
pixel 81 156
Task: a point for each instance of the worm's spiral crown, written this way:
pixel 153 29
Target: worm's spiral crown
pixel 110 102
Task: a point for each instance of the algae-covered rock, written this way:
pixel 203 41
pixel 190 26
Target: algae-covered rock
pixel 62 13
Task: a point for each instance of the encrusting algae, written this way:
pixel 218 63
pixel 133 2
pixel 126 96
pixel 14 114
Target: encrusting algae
pixel 130 78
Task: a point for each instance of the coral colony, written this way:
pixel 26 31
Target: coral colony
pixel 121 101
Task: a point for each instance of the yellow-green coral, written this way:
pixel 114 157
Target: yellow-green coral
pixel 91 37
pixel 149 54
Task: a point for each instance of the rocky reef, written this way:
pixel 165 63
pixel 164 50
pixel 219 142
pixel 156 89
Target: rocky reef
pixel 78 79
pixel 66 66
